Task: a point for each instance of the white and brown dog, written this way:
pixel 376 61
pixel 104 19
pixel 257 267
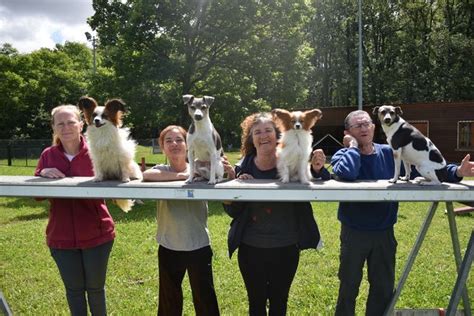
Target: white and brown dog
pixel 111 149
pixel 204 143
pixel 412 147
pixel 295 144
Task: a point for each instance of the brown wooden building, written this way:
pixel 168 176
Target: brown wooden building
pixel 450 125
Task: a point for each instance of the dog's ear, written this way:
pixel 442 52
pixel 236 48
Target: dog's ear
pixel 188 98
pixel 314 113
pixel 375 110
pixel 208 100
pixel 115 105
pixel 87 104
pixel 115 109
pixel 398 110
pixel 311 117
pixel 281 114
pixel 282 119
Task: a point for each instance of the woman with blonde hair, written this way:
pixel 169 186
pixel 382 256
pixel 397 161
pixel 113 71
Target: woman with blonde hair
pixel 80 232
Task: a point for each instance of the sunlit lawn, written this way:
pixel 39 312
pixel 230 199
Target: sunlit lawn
pixel 32 286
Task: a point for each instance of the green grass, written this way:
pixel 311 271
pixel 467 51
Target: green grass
pixel 31 284
pixel 143 152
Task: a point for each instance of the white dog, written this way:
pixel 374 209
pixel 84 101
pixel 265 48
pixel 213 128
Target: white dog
pixel 112 151
pixel 295 145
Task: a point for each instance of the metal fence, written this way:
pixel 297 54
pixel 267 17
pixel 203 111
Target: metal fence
pixel 23 152
pixel 26 152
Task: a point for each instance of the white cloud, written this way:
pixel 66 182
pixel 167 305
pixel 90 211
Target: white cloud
pixel 32 24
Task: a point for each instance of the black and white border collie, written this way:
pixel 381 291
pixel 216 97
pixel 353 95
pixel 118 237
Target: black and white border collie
pixel 412 147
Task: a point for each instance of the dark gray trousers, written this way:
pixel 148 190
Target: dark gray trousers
pixel 83 271
pixel 378 249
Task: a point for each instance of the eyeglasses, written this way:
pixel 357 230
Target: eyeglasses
pixel 360 125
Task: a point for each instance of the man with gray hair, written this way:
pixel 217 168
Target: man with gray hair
pixel 367 233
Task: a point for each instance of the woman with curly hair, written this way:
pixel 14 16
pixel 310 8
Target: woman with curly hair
pixel 269 235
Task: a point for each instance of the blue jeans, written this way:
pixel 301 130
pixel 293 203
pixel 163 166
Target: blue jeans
pixel 83 271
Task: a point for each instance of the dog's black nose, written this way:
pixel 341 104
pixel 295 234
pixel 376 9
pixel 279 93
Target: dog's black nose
pixel 97 123
pixel 198 117
pixel 297 126
pixel 387 120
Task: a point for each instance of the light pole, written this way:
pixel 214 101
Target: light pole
pixel 359 85
pixel 91 38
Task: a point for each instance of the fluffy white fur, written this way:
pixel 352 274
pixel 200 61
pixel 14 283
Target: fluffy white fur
pixel 111 149
pixel 399 132
pixel 295 144
pixel 112 153
pixel 292 163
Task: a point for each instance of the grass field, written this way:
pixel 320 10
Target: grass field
pixel 31 284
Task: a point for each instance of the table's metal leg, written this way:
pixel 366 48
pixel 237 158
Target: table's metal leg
pixel 411 257
pixel 457 253
pixel 462 278
pixel 4 308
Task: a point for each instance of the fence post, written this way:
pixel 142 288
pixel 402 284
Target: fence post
pixel 9 154
pixel 143 164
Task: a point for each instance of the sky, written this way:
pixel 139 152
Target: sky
pixel 32 24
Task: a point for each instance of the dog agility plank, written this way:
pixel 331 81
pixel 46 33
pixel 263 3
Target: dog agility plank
pixel 237 190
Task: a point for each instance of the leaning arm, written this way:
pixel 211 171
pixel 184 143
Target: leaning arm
pixel 156 175
pixel 322 174
pixel 346 163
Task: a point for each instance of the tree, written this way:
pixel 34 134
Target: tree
pixel 35 83
pixel 166 49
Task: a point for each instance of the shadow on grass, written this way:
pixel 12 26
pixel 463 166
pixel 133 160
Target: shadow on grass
pixel 140 212
pixel 147 211
pixel 22 202
pixel 30 217
pixel 18 203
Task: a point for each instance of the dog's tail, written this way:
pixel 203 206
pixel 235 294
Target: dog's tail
pixel 124 205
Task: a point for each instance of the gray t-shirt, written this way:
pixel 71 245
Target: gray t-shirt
pixel 182 224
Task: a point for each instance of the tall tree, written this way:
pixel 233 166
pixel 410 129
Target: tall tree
pixel 166 48
pixel 332 35
pixel 35 83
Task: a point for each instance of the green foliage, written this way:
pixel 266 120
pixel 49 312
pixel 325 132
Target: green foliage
pixel 35 83
pixel 251 55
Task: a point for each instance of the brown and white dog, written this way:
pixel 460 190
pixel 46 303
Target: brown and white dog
pixel 111 149
pixel 412 147
pixel 295 144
